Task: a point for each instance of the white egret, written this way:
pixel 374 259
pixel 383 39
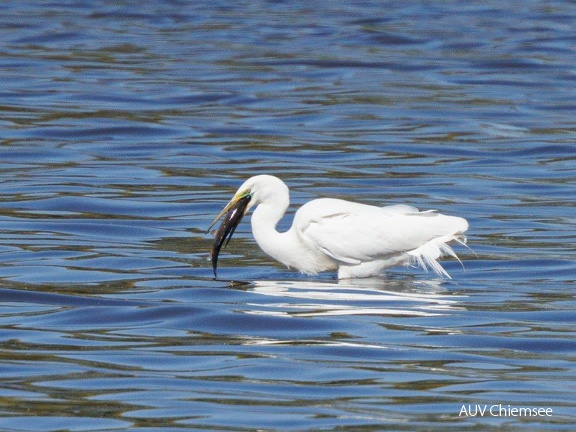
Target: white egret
pixel 358 240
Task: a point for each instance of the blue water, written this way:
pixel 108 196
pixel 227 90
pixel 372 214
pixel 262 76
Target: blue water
pixel 125 127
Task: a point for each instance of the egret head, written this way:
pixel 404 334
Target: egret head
pixel 253 191
pixel 263 188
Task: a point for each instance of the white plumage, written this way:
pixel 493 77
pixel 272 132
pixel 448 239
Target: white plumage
pixel 356 239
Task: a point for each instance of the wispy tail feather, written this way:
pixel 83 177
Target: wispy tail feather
pixel 426 256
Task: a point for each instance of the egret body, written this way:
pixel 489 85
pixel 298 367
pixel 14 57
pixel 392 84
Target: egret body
pixel 357 240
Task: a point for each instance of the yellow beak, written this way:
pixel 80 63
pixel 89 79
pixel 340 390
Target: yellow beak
pixel 233 202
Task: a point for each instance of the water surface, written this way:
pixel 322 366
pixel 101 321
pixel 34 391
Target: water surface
pixel 124 130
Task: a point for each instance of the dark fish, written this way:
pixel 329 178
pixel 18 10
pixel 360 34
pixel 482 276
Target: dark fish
pixel 224 233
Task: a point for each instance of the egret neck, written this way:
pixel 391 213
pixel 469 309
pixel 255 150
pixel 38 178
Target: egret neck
pixel 265 218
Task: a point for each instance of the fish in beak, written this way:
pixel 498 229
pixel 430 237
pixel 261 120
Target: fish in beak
pixel 233 214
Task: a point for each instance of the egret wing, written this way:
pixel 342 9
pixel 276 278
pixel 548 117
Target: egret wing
pixel 352 233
